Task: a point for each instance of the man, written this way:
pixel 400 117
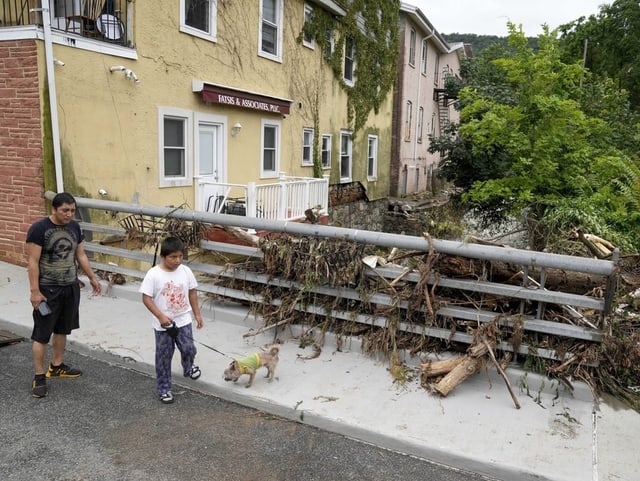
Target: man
pixel 54 250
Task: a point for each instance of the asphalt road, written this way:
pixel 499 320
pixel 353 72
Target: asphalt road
pixel 109 425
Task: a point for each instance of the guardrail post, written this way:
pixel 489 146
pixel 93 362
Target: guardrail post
pixel 252 201
pixel 284 197
pixel 612 285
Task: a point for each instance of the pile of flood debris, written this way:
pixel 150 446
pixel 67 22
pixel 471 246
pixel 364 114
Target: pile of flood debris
pixel 310 271
pixel 334 285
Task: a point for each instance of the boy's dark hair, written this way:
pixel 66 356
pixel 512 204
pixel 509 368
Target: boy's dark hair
pixel 62 198
pixel 171 245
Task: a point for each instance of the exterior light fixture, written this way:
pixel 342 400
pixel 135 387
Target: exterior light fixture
pixel 128 73
pixel 131 75
pixel 57 62
pixel 235 130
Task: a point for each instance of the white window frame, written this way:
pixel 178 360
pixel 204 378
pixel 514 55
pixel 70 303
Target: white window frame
pixel 308 41
pixel 419 124
pixel 412 47
pixel 277 55
pixel 331 43
pixel 352 72
pixel 326 151
pixel 423 57
pixel 187 117
pixel 346 155
pixel 264 173
pixel 212 34
pixel 407 120
pixel 372 157
pixel 307 147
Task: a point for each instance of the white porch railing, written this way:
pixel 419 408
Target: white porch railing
pixel 287 199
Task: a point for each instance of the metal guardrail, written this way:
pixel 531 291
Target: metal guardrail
pixel 592 332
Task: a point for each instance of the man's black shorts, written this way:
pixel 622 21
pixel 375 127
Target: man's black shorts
pixel 64 302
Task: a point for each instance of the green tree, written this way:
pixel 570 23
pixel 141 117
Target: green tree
pixel 532 141
pixel 609 44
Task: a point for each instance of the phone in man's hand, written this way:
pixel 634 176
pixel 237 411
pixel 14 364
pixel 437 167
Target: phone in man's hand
pixel 44 308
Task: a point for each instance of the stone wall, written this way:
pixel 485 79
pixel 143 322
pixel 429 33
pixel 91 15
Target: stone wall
pixel 21 155
pixel 350 208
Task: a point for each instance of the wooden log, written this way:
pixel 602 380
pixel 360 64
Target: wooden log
pixel 231 235
pixel 471 363
pixel 501 272
pixel 438 368
pixel 597 246
pixel 478 350
pixel 243 235
pixel 468 366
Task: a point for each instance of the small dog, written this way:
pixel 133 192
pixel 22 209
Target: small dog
pixel 250 364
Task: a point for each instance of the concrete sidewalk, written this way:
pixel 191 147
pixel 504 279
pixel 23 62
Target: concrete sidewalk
pixel 554 436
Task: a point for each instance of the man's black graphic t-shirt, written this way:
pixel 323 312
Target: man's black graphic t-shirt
pixel 58 258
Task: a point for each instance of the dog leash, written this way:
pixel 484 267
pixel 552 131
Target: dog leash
pixel 175 330
pixel 212 348
pixel 209 347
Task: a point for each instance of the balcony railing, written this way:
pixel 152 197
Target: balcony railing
pixel 288 199
pixel 102 20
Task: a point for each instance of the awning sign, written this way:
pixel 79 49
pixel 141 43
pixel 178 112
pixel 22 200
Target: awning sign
pixel 218 94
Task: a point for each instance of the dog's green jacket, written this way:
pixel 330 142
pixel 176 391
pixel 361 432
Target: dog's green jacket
pixel 249 362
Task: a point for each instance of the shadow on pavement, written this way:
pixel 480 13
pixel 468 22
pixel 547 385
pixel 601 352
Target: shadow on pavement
pixel 108 425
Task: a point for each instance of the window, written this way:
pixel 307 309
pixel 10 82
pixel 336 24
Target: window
pixel 433 124
pixel 307 39
pixel 349 59
pixel 175 151
pixel 270 149
pixel 326 151
pixel 271 29
pixel 423 58
pixel 307 146
pixel 412 47
pixel 372 158
pixel 198 17
pixel 346 149
pixel 329 45
pixel 419 124
pixel 436 67
pixel 407 121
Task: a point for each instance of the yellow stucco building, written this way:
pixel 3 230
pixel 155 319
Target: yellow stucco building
pixel 159 102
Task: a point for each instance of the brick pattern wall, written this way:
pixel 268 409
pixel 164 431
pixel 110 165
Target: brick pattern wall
pixel 21 155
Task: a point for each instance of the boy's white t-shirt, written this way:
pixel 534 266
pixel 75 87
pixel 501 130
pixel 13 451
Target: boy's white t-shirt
pixel 170 293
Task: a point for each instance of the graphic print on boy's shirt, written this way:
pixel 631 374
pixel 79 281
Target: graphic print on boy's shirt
pixel 175 299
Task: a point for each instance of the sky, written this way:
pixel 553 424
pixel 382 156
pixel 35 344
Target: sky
pixel 490 17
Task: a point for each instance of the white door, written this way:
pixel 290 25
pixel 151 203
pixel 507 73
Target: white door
pixel 211 167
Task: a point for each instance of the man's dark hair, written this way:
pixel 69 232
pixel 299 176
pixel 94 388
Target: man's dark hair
pixel 171 245
pixel 62 198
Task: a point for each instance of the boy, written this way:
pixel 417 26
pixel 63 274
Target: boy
pixel 169 292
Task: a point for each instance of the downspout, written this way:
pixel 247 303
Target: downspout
pixel 53 98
